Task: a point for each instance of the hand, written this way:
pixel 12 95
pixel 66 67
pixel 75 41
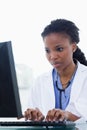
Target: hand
pixel 34 114
pixel 60 115
pixel 55 115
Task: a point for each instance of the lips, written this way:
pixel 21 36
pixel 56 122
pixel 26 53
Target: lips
pixel 56 64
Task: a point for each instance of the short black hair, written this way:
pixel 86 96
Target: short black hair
pixel 62 26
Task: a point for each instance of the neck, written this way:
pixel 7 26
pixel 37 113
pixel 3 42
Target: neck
pixel 66 74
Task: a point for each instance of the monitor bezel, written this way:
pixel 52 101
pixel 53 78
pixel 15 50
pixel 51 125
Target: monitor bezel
pixel 17 112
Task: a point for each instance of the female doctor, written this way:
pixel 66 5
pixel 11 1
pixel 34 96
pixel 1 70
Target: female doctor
pixel 61 93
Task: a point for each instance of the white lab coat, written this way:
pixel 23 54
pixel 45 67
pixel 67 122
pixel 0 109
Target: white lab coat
pixel 42 93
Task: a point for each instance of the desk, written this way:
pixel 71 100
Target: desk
pixel 37 128
pixel 82 126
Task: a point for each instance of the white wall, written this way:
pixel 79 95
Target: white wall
pixel 22 22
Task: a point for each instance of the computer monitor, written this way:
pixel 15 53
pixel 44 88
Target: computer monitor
pixel 10 105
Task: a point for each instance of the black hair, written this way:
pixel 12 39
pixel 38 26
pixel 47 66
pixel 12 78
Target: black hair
pixel 62 26
pixel 79 55
pixel 69 28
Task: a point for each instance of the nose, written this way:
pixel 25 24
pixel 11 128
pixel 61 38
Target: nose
pixel 53 55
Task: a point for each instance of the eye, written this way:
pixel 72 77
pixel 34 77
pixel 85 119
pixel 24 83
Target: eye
pixel 60 49
pixel 47 50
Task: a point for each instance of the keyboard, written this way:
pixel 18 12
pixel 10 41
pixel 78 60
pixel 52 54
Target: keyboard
pixel 37 123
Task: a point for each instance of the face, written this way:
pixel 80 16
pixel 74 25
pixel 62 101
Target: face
pixel 59 50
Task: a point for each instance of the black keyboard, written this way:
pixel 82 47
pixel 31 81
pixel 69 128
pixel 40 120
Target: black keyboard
pixel 37 123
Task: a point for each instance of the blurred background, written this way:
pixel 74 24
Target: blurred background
pixel 22 21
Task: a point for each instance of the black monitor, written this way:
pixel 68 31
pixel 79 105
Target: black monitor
pixel 10 105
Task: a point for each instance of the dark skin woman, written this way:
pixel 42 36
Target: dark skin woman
pixel 60 39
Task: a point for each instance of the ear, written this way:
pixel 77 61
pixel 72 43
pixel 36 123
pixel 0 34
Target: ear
pixel 74 47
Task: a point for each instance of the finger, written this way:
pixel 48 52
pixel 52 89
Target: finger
pixel 50 115
pixel 40 116
pixel 62 118
pixel 59 115
pixel 34 115
pixel 28 114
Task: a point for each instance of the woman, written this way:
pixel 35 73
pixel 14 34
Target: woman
pixel 61 93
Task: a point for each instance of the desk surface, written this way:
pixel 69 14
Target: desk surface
pixel 82 126
pixel 36 128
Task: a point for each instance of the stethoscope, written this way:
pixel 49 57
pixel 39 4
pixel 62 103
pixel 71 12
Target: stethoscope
pixel 63 90
pixel 60 95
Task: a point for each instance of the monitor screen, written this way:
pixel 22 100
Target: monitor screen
pixel 10 105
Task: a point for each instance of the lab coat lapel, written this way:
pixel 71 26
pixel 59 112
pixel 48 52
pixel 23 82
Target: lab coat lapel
pixel 48 98
pixel 77 83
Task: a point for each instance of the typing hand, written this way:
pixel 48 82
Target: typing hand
pixel 60 115
pixel 33 114
pixel 55 115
